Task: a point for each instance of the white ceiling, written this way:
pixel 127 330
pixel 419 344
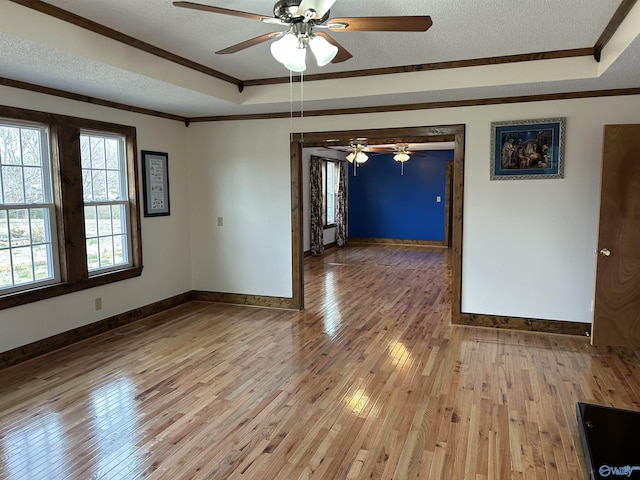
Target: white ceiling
pixel 45 51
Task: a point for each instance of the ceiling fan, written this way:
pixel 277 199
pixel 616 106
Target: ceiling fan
pixel 302 18
pixel 359 149
pixel 401 151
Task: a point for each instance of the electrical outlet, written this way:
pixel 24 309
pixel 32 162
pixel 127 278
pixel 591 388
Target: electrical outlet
pixel 438 199
pixel 220 221
pixel 98 302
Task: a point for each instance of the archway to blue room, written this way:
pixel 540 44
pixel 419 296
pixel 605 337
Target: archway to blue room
pixel 445 133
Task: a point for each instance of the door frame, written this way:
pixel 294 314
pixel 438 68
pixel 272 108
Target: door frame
pixel 425 134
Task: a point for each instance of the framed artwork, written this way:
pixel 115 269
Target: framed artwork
pixel 527 149
pixel 155 168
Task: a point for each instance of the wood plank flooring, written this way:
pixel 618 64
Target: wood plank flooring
pixel 370 382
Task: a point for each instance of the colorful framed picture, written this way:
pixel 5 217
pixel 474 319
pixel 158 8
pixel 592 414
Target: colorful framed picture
pixel 527 149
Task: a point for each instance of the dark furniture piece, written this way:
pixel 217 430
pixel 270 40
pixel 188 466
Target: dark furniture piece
pixel 610 441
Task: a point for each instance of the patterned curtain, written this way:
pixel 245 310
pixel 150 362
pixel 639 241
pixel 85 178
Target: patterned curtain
pixel 315 178
pixel 341 207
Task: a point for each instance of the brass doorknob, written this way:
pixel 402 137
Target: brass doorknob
pixel 605 252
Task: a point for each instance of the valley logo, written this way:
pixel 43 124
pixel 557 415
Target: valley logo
pixel 626 471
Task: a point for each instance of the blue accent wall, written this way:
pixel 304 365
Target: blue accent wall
pixel 384 204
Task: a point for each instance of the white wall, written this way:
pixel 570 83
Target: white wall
pixel 240 171
pixel 165 252
pixel 528 246
pixel 329 234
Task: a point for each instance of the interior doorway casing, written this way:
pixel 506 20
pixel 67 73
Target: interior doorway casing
pixel 446 133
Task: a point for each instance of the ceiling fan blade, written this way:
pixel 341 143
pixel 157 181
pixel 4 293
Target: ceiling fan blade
pixel 380 150
pixel 342 54
pixel 321 7
pixel 380 24
pixel 249 43
pixel 223 11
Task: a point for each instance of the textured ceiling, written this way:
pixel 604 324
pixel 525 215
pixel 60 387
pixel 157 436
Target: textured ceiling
pixel 460 30
pixel 38 49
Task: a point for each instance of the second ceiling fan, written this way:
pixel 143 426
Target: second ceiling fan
pixel 302 18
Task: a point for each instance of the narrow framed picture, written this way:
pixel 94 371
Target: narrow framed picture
pixel 155 168
pixel 527 149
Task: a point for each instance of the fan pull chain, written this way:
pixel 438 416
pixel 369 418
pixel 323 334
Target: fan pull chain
pixel 290 106
pixel 302 107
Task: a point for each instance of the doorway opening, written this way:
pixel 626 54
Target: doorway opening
pixel 448 133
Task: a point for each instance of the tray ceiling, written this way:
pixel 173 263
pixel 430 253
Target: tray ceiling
pixel 40 49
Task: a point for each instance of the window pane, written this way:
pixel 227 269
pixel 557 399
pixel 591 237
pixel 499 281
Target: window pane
pixel 10 145
pixel 106 251
pixel 31 149
pixel 4 229
pixel 99 179
pixel 97 152
pixel 19 227
pixel 12 184
pixel 41 262
pixel 119 255
pixel 118 216
pixel 34 189
pixel 104 220
pixel 324 192
pixel 85 151
pixel 329 188
pixel 331 210
pixel 113 185
pixel 6 279
pixel 39 232
pixel 330 166
pixel 90 222
pixel 87 187
pixel 93 261
pixel 331 193
pixel 112 153
pixel 22 265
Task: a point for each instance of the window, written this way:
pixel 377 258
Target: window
pixel 106 201
pixel 27 212
pixel 69 215
pixel 330 182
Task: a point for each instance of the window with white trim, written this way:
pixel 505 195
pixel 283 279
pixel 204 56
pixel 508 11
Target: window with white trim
pixel 106 201
pixel 28 252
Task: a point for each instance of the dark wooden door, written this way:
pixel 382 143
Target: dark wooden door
pixel 616 319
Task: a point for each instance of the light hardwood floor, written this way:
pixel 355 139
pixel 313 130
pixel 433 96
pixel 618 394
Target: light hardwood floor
pixel 371 381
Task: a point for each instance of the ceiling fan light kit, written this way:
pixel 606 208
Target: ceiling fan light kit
pixel 361 157
pixel 358 157
pixel 402 155
pixel 288 51
pixel 357 154
pixel 323 50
